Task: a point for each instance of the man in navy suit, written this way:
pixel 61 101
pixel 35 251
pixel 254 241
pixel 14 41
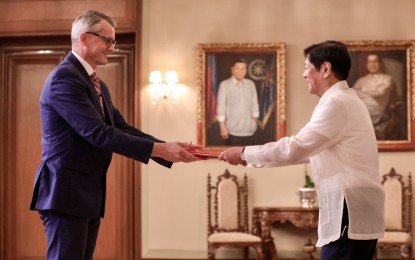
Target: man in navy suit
pixel 80 130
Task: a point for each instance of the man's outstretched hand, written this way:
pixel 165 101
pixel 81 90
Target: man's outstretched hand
pixel 176 151
pixel 232 156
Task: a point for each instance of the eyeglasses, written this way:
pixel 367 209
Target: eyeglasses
pixel 108 41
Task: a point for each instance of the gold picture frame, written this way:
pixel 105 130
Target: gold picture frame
pixel 214 61
pixel 389 95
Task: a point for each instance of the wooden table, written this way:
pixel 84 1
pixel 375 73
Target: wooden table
pixel 264 217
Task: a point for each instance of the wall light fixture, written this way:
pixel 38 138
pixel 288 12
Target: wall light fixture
pixel 163 90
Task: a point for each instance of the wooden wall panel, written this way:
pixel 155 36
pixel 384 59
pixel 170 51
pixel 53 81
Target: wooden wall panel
pixel 36 17
pixel 25 73
pixel 21 231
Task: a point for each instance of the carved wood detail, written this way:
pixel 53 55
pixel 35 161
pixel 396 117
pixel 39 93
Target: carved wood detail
pixel 264 217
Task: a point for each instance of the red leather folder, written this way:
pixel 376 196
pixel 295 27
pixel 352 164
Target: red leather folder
pixel 205 154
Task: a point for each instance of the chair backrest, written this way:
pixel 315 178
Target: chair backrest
pixel 398 202
pixel 227 204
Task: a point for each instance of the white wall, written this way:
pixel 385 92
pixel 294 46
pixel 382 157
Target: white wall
pixel 174 201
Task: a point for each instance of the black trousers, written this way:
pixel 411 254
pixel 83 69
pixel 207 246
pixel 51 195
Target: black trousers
pixel 348 249
pixel 240 140
pixel 69 237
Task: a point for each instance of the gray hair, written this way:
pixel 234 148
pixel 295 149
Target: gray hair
pixel 89 21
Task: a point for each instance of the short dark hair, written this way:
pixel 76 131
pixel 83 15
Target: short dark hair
pixel 239 60
pixel 331 51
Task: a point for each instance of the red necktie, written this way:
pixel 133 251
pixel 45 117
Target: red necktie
pixel 95 79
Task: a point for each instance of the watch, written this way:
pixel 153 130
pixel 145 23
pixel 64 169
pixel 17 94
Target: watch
pixel 242 154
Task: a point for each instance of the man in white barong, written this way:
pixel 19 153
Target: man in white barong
pixel 339 143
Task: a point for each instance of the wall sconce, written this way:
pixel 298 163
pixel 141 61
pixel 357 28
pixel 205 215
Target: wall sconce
pixel 160 89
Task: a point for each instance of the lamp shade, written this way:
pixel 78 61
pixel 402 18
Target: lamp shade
pixel 171 77
pixel 155 77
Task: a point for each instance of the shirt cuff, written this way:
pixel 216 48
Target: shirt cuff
pixel 251 157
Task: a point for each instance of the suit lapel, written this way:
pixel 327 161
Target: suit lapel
pixel 91 88
pixel 108 115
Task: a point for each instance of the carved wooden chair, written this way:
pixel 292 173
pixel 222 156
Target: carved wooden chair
pixel 228 216
pixel 398 214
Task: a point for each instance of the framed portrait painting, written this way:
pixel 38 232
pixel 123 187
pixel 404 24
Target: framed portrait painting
pixel 241 94
pixel 382 74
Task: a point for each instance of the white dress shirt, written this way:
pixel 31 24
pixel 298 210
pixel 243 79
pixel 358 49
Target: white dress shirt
pixel 238 106
pixel 340 144
pixel 85 64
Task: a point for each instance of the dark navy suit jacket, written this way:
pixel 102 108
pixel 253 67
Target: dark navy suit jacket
pixel 78 141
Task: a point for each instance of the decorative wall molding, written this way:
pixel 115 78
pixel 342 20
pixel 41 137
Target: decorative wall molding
pixel 28 17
